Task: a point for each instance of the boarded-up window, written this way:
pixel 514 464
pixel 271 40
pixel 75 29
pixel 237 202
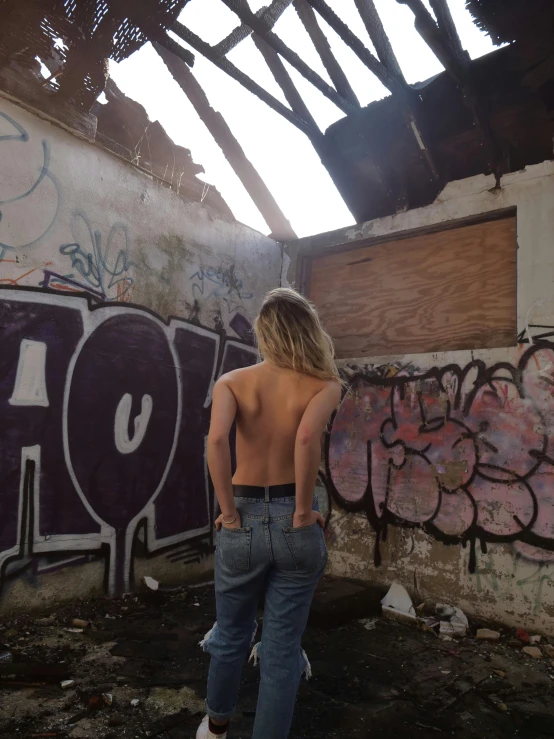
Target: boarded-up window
pixel 453 289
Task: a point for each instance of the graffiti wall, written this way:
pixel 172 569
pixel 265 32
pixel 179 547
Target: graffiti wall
pixel 467 453
pixel 439 468
pixel 120 304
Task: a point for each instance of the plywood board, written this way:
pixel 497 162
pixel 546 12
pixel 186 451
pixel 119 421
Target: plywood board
pixel 455 289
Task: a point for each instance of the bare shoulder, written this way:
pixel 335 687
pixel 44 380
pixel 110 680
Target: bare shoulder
pixel 238 376
pixel 332 389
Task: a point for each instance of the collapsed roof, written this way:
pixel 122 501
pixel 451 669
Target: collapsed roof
pixel 491 115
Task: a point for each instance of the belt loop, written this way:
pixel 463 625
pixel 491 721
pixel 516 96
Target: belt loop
pixel 266 499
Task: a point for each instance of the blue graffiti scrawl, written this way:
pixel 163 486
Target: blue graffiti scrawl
pixel 104 270
pixel 217 282
pixel 34 190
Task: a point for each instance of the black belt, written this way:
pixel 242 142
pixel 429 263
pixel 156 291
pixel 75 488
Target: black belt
pixel 258 491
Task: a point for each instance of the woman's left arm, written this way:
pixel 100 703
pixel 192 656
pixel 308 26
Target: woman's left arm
pixel 224 410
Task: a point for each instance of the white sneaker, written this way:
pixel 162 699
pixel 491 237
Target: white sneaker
pixel 205 733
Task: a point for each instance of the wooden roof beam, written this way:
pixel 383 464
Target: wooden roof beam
pixel 309 21
pixel 226 66
pixel 372 21
pixel 234 153
pixel 249 18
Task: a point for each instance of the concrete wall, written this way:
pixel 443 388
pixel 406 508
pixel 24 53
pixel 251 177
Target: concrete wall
pixel 461 511
pixel 120 302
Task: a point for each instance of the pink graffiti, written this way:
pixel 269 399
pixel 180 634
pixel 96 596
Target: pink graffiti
pixel 465 453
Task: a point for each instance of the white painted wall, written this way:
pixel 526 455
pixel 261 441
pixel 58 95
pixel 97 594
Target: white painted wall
pixel 173 256
pixel 77 219
pixel 512 583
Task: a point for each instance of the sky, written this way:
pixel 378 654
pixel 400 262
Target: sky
pixel 280 152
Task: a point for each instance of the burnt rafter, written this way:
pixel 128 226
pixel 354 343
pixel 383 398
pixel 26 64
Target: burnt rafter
pixel 224 64
pixel 458 66
pixel 319 39
pixel 374 26
pixel 242 10
pixel 268 16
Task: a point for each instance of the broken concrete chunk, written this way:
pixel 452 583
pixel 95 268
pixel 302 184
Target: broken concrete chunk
pixel 80 623
pixel 66 684
pixel 533 652
pixel 151 583
pixel 488 634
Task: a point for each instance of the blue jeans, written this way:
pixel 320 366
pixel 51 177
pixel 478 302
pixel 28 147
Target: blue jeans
pixel 265 556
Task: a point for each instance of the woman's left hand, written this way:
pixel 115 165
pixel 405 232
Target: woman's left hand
pixel 237 523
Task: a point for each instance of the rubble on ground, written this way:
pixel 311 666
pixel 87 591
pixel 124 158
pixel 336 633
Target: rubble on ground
pixel 135 670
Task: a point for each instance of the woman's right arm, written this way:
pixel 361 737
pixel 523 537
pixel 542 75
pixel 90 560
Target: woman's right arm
pixel 307 451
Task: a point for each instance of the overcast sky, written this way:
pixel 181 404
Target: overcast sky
pixel 282 154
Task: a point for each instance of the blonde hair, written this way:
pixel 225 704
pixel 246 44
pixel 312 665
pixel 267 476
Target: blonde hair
pixel 290 335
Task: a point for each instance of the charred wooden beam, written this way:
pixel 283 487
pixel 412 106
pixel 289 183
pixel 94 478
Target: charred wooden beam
pixel 459 69
pixel 269 16
pixel 226 66
pixel 435 39
pixel 323 48
pixel 247 16
pixel 372 21
pixel 397 85
pixel 217 126
pixel 283 79
pixel 389 80
pixel 448 27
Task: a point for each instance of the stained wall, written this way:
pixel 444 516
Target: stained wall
pixel 120 303
pixel 440 467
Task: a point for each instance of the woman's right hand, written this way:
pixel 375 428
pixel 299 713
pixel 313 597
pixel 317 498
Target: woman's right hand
pixel 299 520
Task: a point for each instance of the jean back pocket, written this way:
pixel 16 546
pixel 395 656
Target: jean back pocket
pixel 233 546
pixel 307 547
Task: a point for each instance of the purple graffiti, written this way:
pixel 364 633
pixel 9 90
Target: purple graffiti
pixel 105 410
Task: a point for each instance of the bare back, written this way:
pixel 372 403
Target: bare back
pixel 270 405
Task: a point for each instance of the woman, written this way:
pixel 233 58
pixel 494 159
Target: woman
pixel 270 533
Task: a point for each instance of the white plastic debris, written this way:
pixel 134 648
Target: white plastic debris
pixel 368 623
pixel 135 702
pixel 107 698
pixel 66 684
pixel 453 620
pixel 151 583
pixel 398 605
pixel 74 631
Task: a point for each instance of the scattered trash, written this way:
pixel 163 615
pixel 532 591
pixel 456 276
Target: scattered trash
pixel 74 631
pixel 95 702
pixel 502 707
pixel 523 636
pixel 533 652
pixel 499 673
pixel 548 649
pixel 453 621
pixel 150 583
pixel 534 639
pixel 398 599
pixel 66 684
pixel 488 634
pixel 135 702
pixel 108 698
pixel 368 623
pixel 6 657
pixel 80 623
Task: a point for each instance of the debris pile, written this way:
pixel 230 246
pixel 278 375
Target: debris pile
pixel 131 667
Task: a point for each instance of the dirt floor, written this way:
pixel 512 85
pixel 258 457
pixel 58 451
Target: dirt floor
pixel 138 672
